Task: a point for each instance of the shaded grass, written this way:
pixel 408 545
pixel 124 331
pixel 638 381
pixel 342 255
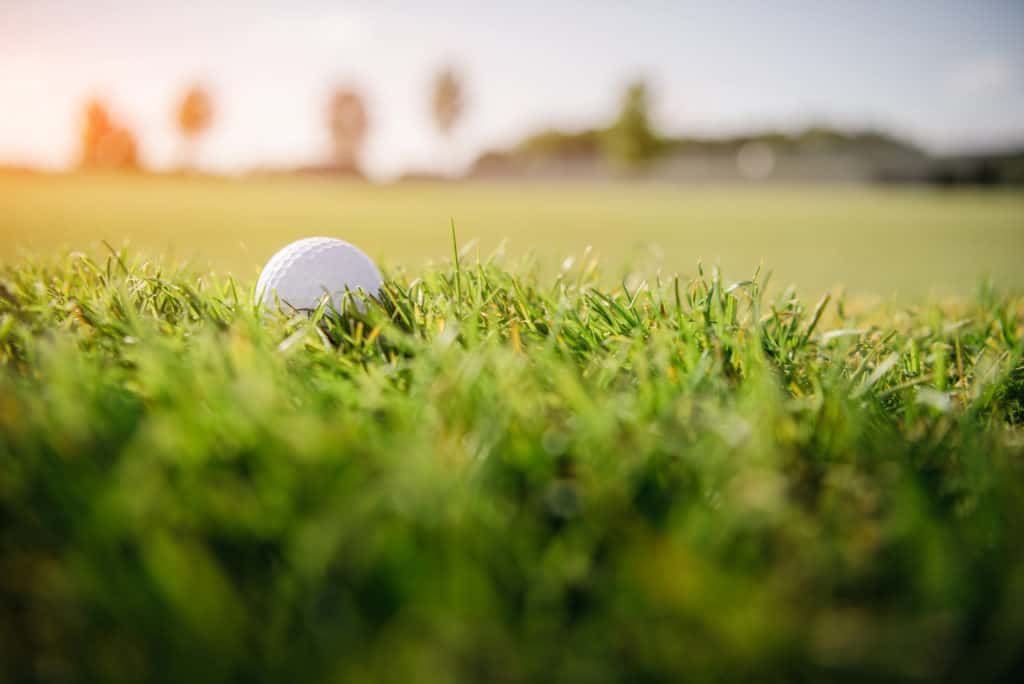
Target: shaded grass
pixel 491 476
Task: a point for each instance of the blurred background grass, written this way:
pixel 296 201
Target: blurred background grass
pixel 907 242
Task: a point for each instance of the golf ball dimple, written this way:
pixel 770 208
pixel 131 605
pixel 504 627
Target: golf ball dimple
pixel 301 273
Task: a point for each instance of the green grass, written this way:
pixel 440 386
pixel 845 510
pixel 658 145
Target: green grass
pixel 905 242
pixel 492 476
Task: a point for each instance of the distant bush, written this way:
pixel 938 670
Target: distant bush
pixel 105 144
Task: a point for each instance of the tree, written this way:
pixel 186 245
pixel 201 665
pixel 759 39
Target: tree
pixel 447 102
pixel 631 141
pixel 348 124
pixel 194 115
pixel 446 105
pixel 105 144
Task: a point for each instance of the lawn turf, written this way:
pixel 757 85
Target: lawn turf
pixel 495 476
pixel 902 243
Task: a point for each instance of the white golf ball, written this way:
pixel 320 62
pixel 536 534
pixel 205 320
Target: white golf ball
pixel 299 275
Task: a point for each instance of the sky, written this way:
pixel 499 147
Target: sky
pixel 947 75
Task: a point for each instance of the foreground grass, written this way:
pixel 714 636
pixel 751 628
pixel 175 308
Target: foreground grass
pixel 485 477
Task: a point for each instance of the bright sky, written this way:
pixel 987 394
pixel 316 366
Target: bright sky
pixel 950 75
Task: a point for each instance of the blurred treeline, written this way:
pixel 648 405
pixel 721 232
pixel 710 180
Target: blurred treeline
pixel 109 145
pixel 630 146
